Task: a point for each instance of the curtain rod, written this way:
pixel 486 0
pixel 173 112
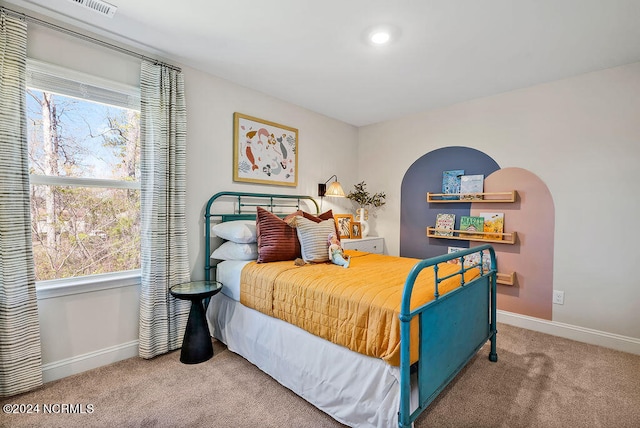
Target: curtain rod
pixel 55 27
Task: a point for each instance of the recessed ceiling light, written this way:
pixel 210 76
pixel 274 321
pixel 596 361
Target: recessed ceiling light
pixel 380 37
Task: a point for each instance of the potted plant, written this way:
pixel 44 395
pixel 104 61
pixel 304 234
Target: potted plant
pixel 364 199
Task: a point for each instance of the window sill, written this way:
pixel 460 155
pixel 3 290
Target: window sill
pixel 85 284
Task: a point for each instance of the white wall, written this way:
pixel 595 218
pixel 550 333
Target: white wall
pixel 581 136
pixel 326 147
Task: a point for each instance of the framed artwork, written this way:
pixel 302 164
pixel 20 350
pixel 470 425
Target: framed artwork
pixel 356 230
pixel 343 221
pixel 264 152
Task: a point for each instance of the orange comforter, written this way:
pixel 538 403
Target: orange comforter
pixel 356 307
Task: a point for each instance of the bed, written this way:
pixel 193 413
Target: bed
pixel 424 322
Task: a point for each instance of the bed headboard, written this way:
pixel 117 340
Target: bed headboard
pixel 242 206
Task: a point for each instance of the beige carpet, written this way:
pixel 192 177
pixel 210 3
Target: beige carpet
pixel 539 381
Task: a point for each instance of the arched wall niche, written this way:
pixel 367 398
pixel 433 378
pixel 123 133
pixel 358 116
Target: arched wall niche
pixel 531 216
pixel 425 175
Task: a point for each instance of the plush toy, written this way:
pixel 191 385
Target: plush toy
pixel 336 253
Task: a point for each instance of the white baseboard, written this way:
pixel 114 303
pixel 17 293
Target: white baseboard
pixel 69 366
pixel 568 331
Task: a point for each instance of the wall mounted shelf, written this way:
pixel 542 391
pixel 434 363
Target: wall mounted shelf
pixel 489 197
pixel 506 278
pixel 507 238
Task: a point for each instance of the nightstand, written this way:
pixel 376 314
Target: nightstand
pixel 196 344
pixel 370 244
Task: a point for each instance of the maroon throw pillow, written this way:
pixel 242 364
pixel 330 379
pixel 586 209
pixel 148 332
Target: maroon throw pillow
pixel 324 216
pixel 277 241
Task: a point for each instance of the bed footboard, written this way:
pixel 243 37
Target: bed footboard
pixel 453 327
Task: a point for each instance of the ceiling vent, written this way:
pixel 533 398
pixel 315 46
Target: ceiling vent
pixel 99 6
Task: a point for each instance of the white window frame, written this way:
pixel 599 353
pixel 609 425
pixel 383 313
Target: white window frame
pixel 52 78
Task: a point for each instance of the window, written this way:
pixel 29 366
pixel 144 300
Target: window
pixel 84 159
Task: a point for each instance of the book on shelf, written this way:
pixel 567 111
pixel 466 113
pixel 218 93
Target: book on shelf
pixel 471 260
pixel 445 224
pixel 471 224
pixel 486 261
pixel 468 261
pixel 493 222
pixel 471 186
pixel 451 183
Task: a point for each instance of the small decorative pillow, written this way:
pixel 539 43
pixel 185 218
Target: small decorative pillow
pixel 240 231
pixel 327 215
pixel 313 239
pixel 235 251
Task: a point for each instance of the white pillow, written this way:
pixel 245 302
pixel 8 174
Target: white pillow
pixel 313 239
pixel 240 231
pixel 235 251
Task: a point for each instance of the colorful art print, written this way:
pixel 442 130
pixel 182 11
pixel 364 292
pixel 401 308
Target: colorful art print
pixel 471 224
pixel 343 222
pixel 493 222
pixel 471 187
pixel 445 224
pixel 264 152
pixel 451 183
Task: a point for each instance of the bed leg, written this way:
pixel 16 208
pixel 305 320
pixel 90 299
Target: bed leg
pixel 493 355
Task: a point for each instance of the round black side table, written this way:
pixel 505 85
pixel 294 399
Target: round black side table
pixel 196 344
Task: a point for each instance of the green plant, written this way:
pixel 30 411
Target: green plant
pixel 364 199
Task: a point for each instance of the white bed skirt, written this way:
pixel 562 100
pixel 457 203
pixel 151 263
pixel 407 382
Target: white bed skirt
pixel 355 389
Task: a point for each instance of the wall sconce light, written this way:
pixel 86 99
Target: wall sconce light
pixel 335 189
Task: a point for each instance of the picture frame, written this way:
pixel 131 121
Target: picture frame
pixel 343 224
pixel 264 152
pixel 356 230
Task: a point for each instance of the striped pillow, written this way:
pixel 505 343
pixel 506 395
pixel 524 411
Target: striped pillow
pixel 313 239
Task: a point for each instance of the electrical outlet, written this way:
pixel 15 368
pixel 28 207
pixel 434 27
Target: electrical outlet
pixel 558 297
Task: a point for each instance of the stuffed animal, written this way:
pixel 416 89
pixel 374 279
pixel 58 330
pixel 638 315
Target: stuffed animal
pixel 336 252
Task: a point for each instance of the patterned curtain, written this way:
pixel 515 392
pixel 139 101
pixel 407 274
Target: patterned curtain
pixel 164 236
pixel 20 357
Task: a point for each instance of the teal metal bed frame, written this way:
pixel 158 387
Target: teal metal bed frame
pixel 453 327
